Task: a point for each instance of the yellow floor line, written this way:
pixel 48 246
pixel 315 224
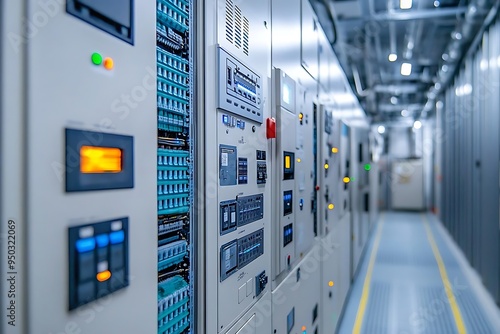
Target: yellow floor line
pixel 444 277
pixel 358 323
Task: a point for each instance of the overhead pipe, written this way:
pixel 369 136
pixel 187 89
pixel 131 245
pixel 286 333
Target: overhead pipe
pixel 423 14
pixel 473 16
pixel 357 83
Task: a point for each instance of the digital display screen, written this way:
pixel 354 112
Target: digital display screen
pixel 228 259
pixel 94 159
pixel 288 165
pixel 286 94
pixel 112 16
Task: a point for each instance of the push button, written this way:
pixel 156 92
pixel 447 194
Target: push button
pixel 102 240
pixel 98 263
pixel 85 245
pixel 117 237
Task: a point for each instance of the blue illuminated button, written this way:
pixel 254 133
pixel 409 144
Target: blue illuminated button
pixel 117 237
pixel 225 119
pixel 85 245
pixel 102 240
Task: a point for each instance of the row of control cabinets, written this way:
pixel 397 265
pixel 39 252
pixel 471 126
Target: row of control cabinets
pixel 281 192
pixel 306 170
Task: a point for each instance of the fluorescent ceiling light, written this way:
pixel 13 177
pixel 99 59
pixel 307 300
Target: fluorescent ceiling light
pixel 405 113
pixel 417 125
pixel 405 69
pixel 405 4
pixel 381 129
pixel 393 57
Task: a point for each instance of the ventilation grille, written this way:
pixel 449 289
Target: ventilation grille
pixel 237 27
pixel 229 21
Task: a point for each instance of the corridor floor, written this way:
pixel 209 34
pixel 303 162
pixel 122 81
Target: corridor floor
pixel 413 279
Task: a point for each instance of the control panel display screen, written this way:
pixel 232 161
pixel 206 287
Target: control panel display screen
pixel 288 165
pixel 229 259
pixel 113 16
pixel 95 159
pixel 98 161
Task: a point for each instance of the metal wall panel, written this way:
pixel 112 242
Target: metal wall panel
pixel 489 166
pixel 470 126
pixel 476 175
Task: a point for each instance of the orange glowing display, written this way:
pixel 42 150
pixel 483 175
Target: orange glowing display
pixel 95 160
pixel 103 276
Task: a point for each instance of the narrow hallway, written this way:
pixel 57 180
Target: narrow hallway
pixel 400 287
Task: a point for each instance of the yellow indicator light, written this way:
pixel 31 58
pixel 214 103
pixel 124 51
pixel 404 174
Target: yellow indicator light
pixel 346 179
pixel 288 162
pixel 109 63
pixel 327 166
pixel 299 160
pixel 95 159
pixel 331 206
pixel 103 276
pixel 303 328
pixel 335 150
pixel 330 284
pixel 301 116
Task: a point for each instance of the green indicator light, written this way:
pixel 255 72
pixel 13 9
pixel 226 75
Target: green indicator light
pixel 368 167
pixel 96 58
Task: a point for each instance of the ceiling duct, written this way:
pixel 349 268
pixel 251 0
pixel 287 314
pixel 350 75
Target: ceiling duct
pixel 479 15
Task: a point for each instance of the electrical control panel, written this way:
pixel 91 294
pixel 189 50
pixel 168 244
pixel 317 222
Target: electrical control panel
pixel 327 175
pixel 237 165
pixel 306 226
pixel 301 291
pixel 175 177
pixel 334 217
pixel 243 193
pixel 344 151
pixel 244 209
pixel 284 96
pixel 90 168
pixel 359 188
